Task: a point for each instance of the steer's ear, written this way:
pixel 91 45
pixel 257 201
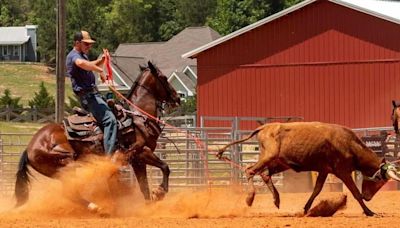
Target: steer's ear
pixel 383 160
pixel 395 103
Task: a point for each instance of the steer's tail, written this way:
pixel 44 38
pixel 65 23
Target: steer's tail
pixel 222 150
pixel 22 182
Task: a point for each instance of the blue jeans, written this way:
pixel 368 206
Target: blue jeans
pixel 95 104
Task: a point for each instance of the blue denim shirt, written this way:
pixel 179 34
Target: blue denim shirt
pixel 80 78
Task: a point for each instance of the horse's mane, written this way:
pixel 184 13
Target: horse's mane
pixel 136 82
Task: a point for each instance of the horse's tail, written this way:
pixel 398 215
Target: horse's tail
pixel 22 182
pixel 222 150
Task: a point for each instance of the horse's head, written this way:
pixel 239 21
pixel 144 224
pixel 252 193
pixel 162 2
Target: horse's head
pixel 396 116
pixel 156 83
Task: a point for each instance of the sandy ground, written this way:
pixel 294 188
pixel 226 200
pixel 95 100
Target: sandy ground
pixel 206 208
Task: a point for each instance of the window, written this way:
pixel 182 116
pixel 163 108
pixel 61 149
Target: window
pixel 9 49
pixel 181 95
pixel 5 50
pixel 16 51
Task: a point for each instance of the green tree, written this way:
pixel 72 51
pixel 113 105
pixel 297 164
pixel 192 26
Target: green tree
pixel 134 20
pixel 88 16
pixel 43 100
pixel 195 13
pixel 43 14
pixel 7 100
pixel 179 14
pixel 189 106
pixel 14 12
pixel 231 15
pixel 73 101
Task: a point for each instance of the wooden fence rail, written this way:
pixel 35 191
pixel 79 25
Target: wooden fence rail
pixel 40 115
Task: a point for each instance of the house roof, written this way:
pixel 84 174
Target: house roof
pixel 137 49
pixel 192 68
pixel 185 81
pixel 13 35
pixel 167 55
pixel 387 10
pixel 125 71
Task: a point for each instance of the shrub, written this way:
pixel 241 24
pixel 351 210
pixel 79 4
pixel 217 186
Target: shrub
pixel 73 101
pixel 43 100
pixel 7 100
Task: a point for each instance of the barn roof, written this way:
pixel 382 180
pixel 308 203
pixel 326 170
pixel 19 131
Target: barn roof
pixel 387 10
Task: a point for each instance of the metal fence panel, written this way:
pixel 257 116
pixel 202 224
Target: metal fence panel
pixel 192 164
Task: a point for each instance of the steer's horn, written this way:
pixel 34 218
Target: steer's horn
pixel 392 174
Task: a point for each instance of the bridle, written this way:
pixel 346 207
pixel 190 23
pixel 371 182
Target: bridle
pixel 159 103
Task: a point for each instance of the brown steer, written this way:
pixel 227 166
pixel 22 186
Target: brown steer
pixel 321 147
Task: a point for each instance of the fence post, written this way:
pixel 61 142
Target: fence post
pixel 201 121
pixel 205 156
pixel 34 113
pixel 8 113
pixel 188 180
pixel 235 150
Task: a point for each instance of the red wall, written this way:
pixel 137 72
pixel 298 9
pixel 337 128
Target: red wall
pixel 324 62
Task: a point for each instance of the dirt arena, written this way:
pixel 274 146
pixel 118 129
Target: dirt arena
pixel 206 208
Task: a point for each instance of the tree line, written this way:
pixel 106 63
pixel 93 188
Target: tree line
pixel 125 21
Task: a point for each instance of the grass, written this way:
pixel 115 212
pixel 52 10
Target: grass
pixel 15 137
pixel 13 127
pixel 23 81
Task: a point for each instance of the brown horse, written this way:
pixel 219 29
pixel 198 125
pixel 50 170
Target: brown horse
pixel 49 149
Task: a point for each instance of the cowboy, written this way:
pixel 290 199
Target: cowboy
pixel 80 70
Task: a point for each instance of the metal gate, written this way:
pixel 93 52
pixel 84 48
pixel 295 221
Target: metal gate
pixel 11 146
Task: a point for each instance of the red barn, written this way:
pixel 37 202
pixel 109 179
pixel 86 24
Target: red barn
pixel 334 61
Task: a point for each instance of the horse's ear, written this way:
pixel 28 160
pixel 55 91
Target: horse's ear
pixel 142 68
pixel 394 103
pixel 152 68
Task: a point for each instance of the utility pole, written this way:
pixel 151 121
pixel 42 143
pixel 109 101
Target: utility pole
pixel 60 60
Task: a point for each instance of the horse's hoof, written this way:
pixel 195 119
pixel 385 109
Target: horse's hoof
pixel 158 194
pixel 369 213
pixel 277 202
pixel 104 214
pixel 94 208
pixel 250 199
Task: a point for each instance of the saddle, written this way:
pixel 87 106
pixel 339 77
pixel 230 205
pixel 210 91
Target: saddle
pixel 82 126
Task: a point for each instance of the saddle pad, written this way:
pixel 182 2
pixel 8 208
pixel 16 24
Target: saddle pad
pixel 81 135
pixel 76 120
pixel 82 127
